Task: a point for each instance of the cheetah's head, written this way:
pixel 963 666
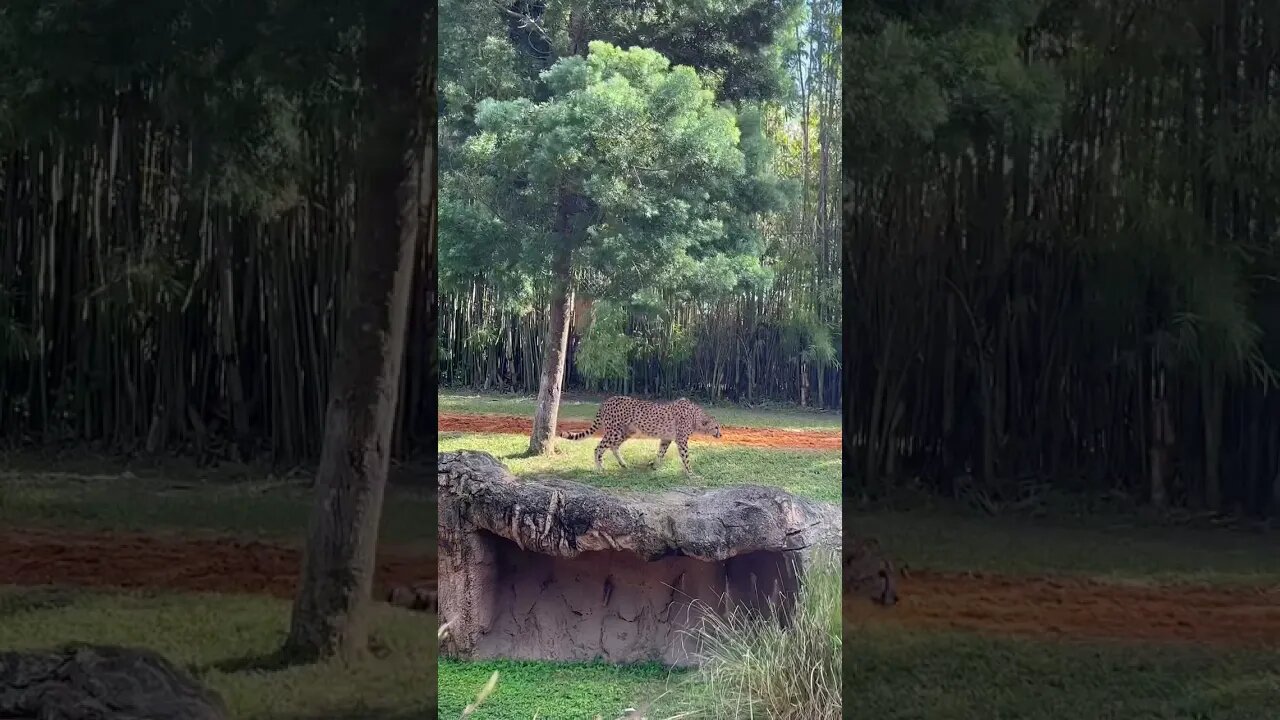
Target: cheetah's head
pixel 709 425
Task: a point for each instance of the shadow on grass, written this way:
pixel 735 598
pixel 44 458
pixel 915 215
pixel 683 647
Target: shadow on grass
pixel 34 600
pixel 901 673
pixel 949 539
pixel 283 659
pixel 274 661
pixel 251 510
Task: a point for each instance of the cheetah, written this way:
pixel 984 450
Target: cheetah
pixel 869 574
pixel 622 417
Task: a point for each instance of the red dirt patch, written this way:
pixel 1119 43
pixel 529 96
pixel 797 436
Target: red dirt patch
pixel 1075 608
pixel 221 565
pixel 754 437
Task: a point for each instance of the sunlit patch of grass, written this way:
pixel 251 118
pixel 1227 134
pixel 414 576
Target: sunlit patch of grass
pixel 526 690
pixel 815 475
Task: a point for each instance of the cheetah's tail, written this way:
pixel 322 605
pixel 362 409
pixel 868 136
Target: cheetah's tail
pixel 595 425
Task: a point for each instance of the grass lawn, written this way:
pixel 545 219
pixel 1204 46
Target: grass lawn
pixel 1105 549
pixel 580 407
pixel 251 508
pixel 581 691
pixel 527 690
pixel 897 672
pixel 900 675
pixel 804 472
pixel 227 642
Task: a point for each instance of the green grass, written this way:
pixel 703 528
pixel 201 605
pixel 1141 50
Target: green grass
pixel 254 508
pixel 227 642
pixel 896 674
pixel 808 473
pixel 960 542
pixel 584 408
pixel 553 690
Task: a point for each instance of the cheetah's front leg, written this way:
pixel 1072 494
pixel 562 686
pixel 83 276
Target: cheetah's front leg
pixel 662 451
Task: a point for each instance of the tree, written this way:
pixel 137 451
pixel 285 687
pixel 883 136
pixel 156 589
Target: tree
pixel 628 177
pixel 772 341
pixel 328 612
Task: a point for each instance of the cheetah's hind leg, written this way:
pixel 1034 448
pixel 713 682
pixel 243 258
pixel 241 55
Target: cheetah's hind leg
pixel 617 445
pixel 599 455
pixel 610 441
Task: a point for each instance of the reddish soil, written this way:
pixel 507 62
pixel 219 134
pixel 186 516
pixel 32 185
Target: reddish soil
pixel 1072 608
pixel 1054 608
pixel 754 437
pixel 220 565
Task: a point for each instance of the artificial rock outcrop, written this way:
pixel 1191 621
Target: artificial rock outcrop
pixel 549 569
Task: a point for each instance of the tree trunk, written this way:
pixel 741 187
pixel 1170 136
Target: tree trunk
pixel 337 570
pixel 228 347
pixel 1161 440
pixel 542 440
pixel 1212 389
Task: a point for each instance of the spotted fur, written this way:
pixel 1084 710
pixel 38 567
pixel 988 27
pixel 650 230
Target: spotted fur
pixel 869 573
pixel 622 417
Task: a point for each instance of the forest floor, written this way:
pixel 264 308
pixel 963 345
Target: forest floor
pixel 201 566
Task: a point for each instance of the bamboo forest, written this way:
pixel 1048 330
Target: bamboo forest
pixel 1062 251
pixel 176 208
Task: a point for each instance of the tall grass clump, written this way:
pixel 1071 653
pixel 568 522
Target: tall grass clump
pixel 749 668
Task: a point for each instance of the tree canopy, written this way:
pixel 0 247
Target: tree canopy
pixel 641 157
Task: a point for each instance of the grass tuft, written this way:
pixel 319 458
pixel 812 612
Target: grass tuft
pixel 753 669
